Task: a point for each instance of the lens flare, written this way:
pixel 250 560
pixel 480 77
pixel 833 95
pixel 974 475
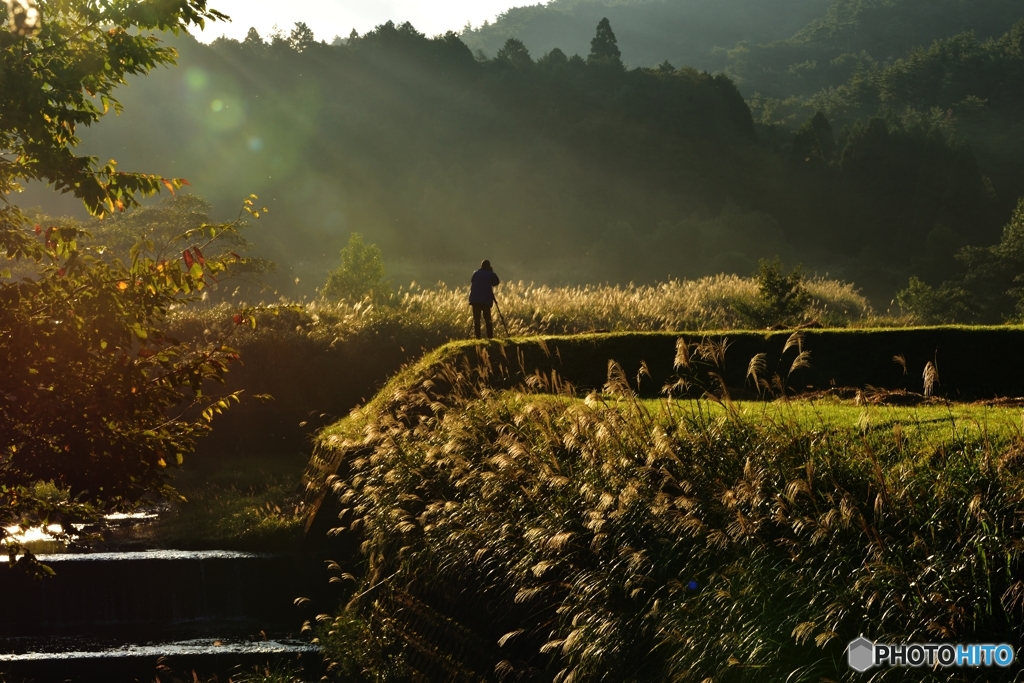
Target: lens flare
pixel 196 79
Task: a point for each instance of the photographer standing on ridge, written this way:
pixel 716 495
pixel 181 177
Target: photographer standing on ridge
pixel 481 297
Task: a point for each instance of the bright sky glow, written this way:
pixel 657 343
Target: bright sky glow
pixel 329 18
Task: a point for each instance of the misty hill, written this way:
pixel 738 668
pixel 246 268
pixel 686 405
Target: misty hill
pixel 559 169
pixel 441 159
pixel 684 32
pixel 777 48
pixel 973 88
pixel 830 48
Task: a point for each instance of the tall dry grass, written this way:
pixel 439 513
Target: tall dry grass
pixel 710 303
pixel 608 540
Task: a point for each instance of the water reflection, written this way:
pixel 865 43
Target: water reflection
pixel 158 554
pixel 50 539
pixel 57 648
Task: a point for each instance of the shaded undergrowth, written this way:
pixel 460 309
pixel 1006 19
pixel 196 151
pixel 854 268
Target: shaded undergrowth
pixel 250 503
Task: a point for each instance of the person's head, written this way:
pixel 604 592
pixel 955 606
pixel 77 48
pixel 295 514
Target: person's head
pixel 486 265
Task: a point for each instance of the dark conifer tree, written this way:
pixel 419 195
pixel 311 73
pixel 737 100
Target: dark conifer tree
pixel 815 142
pixel 301 38
pixel 553 59
pixel 515 53
pixel 604 48
pixel 252 38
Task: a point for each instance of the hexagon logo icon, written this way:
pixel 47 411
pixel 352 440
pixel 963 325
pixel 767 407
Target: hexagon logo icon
pixel 861 654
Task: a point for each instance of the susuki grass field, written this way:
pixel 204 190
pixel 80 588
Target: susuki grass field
pixel 711 303
pixel 508 527
pixel 531 534
pixel 318 359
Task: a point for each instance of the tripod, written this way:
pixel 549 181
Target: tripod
pixel 501 316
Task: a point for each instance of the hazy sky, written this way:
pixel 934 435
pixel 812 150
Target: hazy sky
pixel 329 18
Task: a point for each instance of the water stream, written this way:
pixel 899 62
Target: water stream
pixel 118 613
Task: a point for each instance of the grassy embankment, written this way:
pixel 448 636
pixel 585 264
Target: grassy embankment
pixel 319 361
pixel 325 357
pixel 510 527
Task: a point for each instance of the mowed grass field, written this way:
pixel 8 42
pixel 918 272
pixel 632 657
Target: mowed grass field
pixel 916 427
pixel 601 536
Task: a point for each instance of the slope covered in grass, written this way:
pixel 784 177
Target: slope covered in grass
pixel 318 360
pixel 529 532
pixel 971 363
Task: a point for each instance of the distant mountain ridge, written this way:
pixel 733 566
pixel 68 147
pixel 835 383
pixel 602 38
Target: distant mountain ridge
pixel 576 169
pixel 684 32
pixel 777 48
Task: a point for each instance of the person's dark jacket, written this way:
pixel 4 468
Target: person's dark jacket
pixel 482 289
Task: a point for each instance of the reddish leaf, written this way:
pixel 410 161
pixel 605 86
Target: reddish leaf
pixel 187 255
pixel 199 256
pixel 169 184
pixel 38 228
pixel 237 319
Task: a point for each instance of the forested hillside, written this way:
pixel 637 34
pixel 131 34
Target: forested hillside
pixel 684 32
pixel 967 87
pixel 569 168
pixel 829 49
pixel 557 168
pixel 778 48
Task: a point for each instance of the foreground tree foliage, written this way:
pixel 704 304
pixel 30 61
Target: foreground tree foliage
pixel 64 75
pixel 90 374
pixel 94 393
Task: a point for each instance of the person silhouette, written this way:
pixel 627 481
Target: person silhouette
pixel 481 297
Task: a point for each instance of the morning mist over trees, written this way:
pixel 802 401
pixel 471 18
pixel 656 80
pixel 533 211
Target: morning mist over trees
pixel 870 140
pixel 612 340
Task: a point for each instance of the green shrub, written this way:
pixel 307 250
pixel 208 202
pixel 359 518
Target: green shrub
pixel 363 650
pixel 930 306
pixel 360 275
pixel 782 298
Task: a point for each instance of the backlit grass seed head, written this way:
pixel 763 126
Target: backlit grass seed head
pixel 598 513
